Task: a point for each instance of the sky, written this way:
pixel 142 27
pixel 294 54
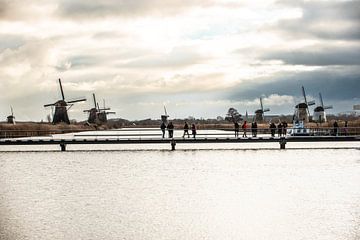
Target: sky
pixel 197 57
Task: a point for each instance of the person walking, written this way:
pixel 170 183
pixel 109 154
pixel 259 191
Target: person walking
pixel 163 127
pixel 244 129
pixel 193 130
pixel 186 130
pixel 170 128
pixel 237 129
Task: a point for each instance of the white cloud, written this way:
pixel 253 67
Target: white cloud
pixel 163 50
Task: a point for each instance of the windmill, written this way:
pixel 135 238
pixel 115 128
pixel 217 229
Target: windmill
pixel 165 116
pixel 302 112
pixel 103 112
pixel 97 114
pixel 319 112
pixel 259 114
pixel 93 112
pixel 61 107
pixel 11 118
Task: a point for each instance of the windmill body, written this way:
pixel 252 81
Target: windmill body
pixel 61 108
pixel 98 115
pixel 302 112
pixel 93 112
pixel 259 113
pixel 319 115
pixel 11 118
pixel 103 112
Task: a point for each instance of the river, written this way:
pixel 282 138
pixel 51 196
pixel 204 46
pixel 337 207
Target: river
pixel 141 192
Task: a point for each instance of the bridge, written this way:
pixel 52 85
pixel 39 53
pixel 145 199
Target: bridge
pixel 153 136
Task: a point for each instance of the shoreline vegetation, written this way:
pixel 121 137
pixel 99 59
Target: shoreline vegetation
pixel 33 129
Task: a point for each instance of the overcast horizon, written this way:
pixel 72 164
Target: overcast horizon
pixel 197 57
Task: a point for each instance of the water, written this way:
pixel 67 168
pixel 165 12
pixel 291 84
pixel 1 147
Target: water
pixel 187 194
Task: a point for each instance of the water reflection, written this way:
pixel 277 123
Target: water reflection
pixel 216 194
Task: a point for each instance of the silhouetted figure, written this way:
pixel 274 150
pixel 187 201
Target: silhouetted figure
pixel 244 128
pixel 170 128
pixel 254 129
pixel 163 127
pixel 280 129
pixel 336 128
pixel 272 129
pixel 285 125
pixel 346 128
pixel 237 129
pixel 186 130
pixel 193 130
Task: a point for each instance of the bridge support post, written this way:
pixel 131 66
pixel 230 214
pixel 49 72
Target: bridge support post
pixel 63 147
pixel 173 144
pixel 282 143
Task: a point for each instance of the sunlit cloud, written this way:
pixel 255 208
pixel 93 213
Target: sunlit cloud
pixel 197 56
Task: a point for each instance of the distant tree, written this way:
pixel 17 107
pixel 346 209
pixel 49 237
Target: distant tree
pixel 233 115
pixel 219 118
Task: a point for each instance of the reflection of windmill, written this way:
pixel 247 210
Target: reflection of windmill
pixel 165 116
pixel 97 114
pixel 259 114
pixel 61 107
pixel 319 112
pixel 11 118
pixel 302 112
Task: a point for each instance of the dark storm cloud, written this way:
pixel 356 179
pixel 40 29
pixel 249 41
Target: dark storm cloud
pixel 334 85
pixel 317 56
pixel 324 19
pixel 87 9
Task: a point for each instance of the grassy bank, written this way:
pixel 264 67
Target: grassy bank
pixel 31 129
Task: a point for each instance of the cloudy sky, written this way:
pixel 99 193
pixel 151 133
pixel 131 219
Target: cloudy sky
pixel 198 57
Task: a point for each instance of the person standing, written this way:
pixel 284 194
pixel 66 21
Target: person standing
pixel 163 127
pixel 170 128
pixel 252 129
pixel 244 129
pixel 280 129
pixel 255 129
pixel 186 130
pixel 193 130
pixel 336 128
pixel 272 129
pixel 346 128
pixel 237 129
pixel 285 125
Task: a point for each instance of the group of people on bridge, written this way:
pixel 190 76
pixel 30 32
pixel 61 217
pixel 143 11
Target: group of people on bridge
pixel 170 128
pixel 244 129
pixel 281 129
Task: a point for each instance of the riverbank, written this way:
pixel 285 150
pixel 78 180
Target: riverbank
pixel 32 129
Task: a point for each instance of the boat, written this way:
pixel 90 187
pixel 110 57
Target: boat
pixel 298 129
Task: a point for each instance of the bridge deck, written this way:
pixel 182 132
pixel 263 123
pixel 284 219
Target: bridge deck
pixel 115 140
